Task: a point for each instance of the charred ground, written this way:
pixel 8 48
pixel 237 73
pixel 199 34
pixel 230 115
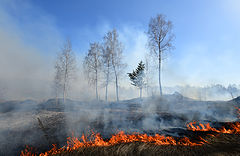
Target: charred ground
pixel 40 125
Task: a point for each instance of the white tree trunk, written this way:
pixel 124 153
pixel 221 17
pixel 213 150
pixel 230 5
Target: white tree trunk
pixel 96 85
pixel 64 92
pixel 116 83
pixel 159 72
pixel 107 81
pixel 140 93
pixel 64 87
pixel 106 92
pixel 117 88
pixel 65 81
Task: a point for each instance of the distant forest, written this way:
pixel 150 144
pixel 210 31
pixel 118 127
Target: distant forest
pixel 212 92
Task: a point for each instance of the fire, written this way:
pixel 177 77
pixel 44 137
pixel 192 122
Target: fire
pixel 74 143
pixel 27 152
pixel 202 127
pixel 234 128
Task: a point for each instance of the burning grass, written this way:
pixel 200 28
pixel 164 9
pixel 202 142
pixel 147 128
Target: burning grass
pixel 75 144
pixel 222 144
pixel 234 128
pixel 142 144
pixel 206 141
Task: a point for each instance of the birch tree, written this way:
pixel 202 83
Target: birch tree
pixel 93 64
pixel 107 66
pixel 160 38
pixel 114 49
pixel 65 68
pixel 57 81
pixel 149 73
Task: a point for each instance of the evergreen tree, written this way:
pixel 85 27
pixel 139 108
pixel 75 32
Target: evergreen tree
pixel 137 77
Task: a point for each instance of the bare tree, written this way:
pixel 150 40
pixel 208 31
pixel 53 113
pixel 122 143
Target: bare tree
pixel 232 89
pixel 93 64
pixel 107 66
pixel 57 81
pixel 160 40
pixel 114 49
pixel 65 68
pixel 148 73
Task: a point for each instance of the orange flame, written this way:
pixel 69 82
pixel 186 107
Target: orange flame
pixel 234 128
pixel 27 152
pixel 74 143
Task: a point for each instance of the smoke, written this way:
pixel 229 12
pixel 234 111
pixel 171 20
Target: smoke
pixel 26 72
pixel 149 115
pixel 28 53
pixel 30 39
pixel 29 42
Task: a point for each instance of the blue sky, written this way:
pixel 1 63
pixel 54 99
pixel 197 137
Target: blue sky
pixel 206 45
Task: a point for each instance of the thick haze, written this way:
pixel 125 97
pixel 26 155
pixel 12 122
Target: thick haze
pixel 32 32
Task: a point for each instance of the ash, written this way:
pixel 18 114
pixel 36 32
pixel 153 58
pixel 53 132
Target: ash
pixel 40 125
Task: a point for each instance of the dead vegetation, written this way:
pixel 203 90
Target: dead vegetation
pixel 223 144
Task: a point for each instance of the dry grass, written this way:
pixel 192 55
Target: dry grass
pixel 221 145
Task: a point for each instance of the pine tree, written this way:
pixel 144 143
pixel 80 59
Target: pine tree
pixel 137 77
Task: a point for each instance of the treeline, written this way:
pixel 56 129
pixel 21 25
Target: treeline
pixel 211 92
pixel 103 62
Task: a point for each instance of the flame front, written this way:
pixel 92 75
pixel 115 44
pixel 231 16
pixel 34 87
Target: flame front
pixel 234 128
pixel 74 143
